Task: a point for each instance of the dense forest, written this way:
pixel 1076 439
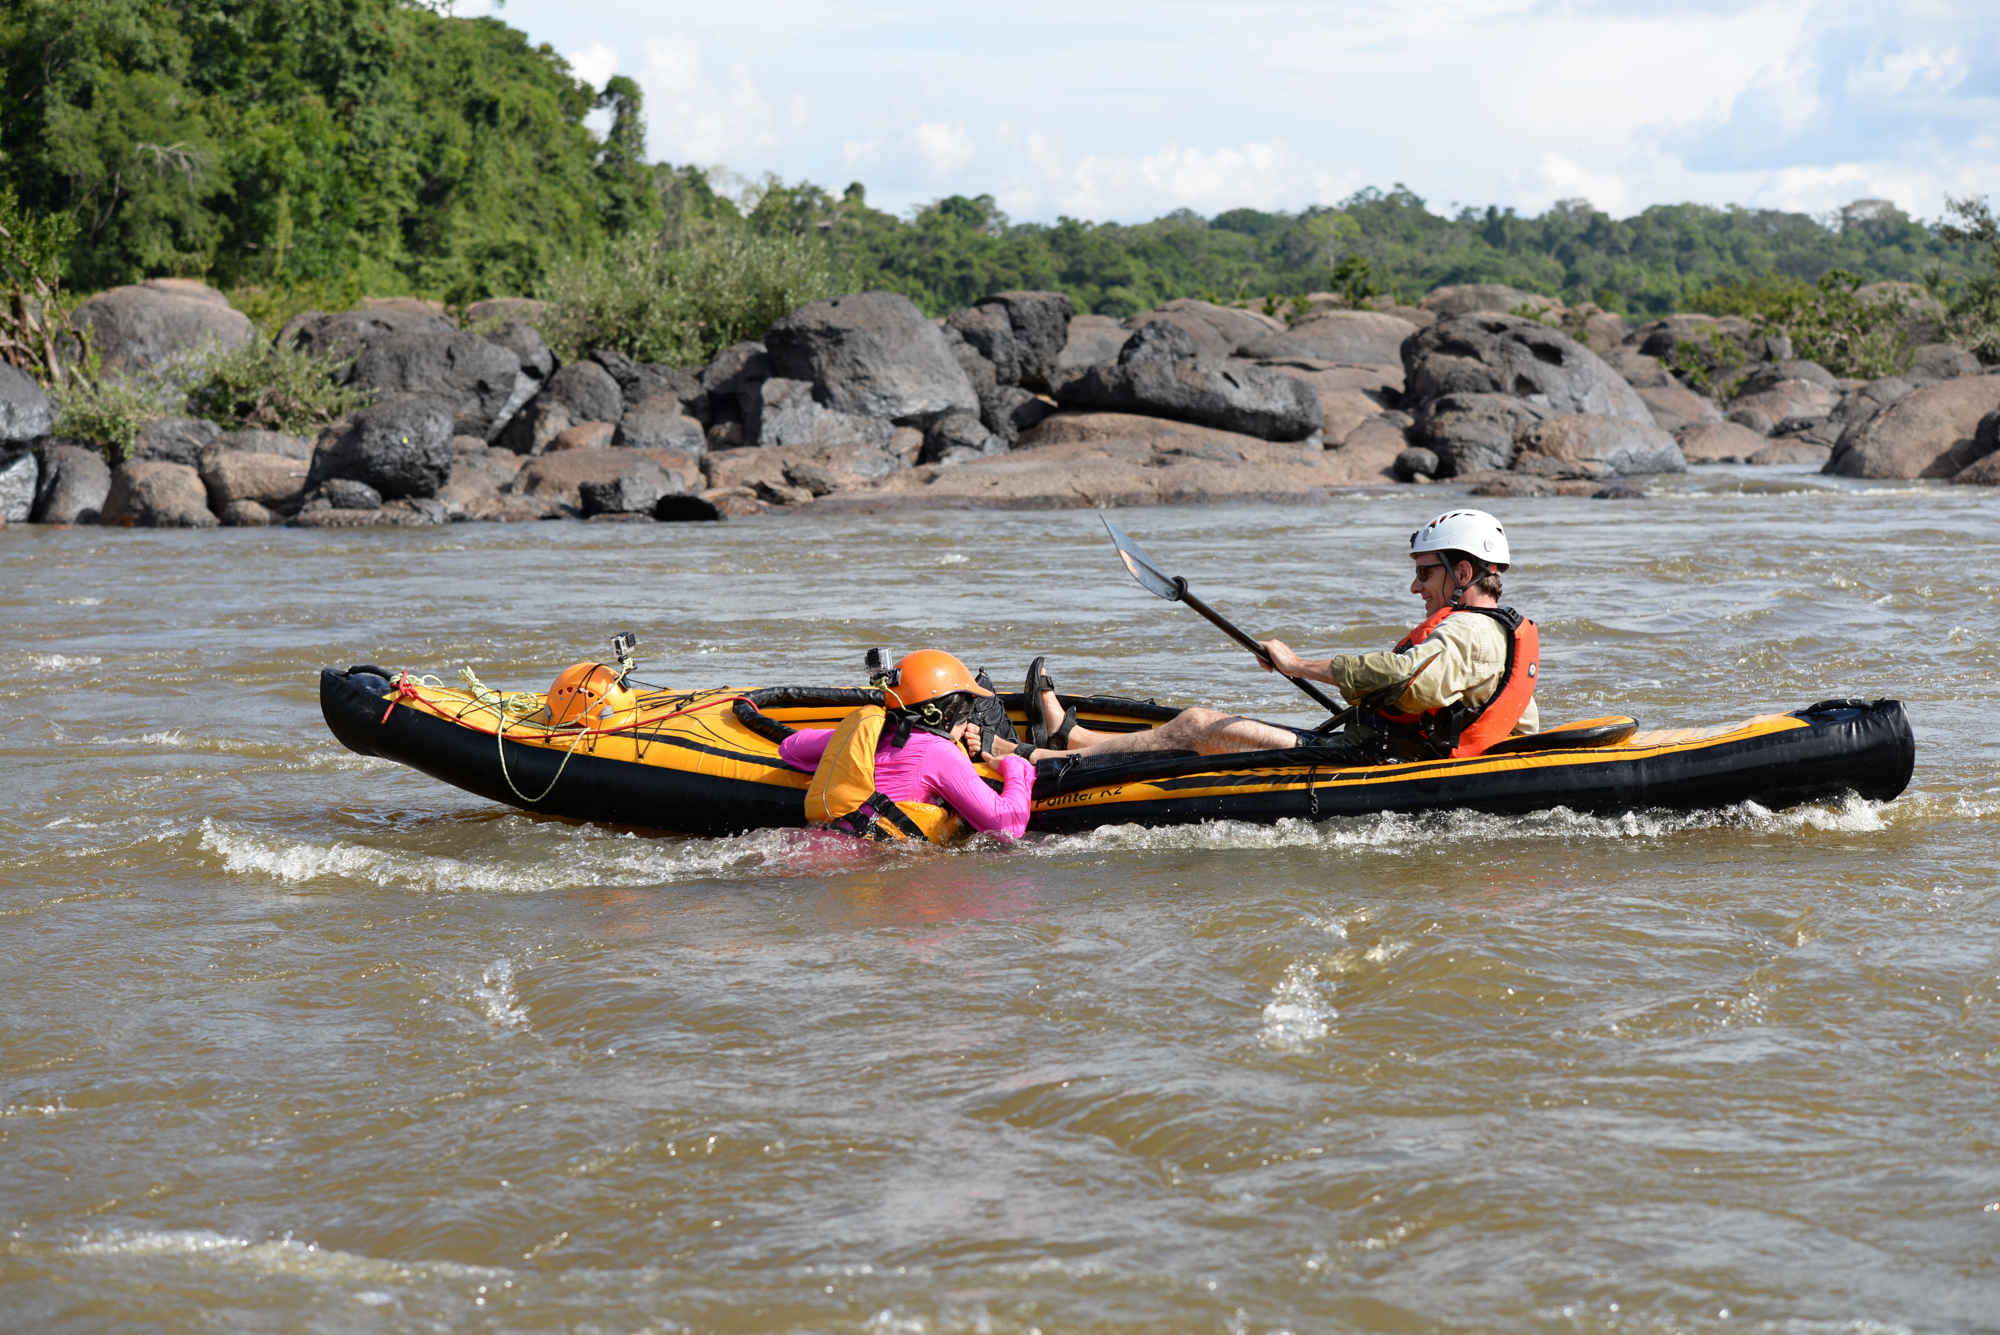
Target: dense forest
pixel 293 151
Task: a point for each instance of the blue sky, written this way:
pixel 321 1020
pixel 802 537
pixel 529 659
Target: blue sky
pixel 1109 110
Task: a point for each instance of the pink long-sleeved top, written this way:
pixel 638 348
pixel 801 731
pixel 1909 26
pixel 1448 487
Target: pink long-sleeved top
pixel 930 768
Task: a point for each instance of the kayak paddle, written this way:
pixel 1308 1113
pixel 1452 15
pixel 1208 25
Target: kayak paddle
pixel 1175 590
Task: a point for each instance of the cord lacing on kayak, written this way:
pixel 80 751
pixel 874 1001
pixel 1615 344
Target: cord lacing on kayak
pixel 519 710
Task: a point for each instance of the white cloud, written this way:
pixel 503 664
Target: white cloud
pixel 1770 103
pixel 944 147
pixel 594 66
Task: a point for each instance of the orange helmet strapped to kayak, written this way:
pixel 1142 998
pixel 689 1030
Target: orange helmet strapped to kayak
pixel 926 675
pixel 593 694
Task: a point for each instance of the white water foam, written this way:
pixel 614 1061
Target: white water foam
pixel 1299 1012
pixel 503 1003
pixel 284 1256
pixel 56 662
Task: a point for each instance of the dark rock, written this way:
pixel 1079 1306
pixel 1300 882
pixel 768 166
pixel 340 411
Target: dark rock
pixel 687 510
pixel 589 392
pixel 74 483
pixel 1218 330
pixel 475 376
pixel 25 412
pixel 1008 410
pixel 174 440
pixel 558 478
pixel 1819 431
pixel 871 355
pixel 1158 373
pixel 1415 462
pixel 1637 369
pixel 1092 339
pixel 1933 431
pixel 1500 354
pixel 726 436
pixel 402 448
pixel 657 423
pixel 1778 373
pixel 20 479
pixel 1022 334
pixel 1561 470
pixel 815 469
pixel 788 412
pixel 639 381
pixel 1619 491
pixel 525 342
pixel 344 493
pixel 1474 433
pixel 985 332
pixel 1752 418
pixel 731 380
pixel 586 436
pixel 346 333
pixel 971 361
pixel 958 436
pixel 637 490
pixel 1211 348
pixel 537 425
pixel 1350 338
pixel 1704 334
pixel 1615 443
pixel 152 494
pixel 139 326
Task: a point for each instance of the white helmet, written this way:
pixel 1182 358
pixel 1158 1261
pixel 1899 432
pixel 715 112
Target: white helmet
pixel 1474 532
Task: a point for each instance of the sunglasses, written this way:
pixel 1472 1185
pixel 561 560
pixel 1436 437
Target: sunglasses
pixel 1424 573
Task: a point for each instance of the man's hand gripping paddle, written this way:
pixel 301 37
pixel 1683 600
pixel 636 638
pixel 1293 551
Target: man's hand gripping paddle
pixel 1175 590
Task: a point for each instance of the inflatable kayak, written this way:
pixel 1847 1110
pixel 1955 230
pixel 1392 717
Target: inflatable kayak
pixel 706 762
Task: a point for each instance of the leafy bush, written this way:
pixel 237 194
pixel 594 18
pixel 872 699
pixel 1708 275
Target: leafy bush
pixel 264 387
pixel 1827 322
pixel 682 304
pixel 1972 305
pixel 35 321
pixel 256 386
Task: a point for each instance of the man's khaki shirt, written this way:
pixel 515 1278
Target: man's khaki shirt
pixel 1466 655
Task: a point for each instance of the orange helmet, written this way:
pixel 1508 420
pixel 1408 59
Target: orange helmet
pixel 925 675
pixel 590 694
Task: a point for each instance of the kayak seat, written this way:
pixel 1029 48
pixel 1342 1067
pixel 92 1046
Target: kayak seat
pixel 1590 732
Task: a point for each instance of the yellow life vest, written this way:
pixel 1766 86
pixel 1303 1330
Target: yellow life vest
pixel 843 796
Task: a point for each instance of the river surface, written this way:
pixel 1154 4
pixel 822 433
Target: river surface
pixel 296 1040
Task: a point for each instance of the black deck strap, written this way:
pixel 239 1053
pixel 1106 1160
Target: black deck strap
pixel 1069 773
pixel 888 813
pixel 812 697
pixel 768 728
pixel 371 670
pixel 1838 706
pixel 1561 739
pixel 1100 704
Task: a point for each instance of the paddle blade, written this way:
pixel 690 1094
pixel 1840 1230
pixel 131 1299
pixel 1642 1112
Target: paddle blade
pixel 1151 578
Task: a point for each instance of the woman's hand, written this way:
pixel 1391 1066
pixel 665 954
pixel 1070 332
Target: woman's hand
pixel 967 736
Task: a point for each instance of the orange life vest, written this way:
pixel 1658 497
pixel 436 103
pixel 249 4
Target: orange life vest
pixel 843 796
pixel 1459 729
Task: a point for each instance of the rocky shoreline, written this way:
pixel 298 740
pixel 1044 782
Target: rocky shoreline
pixel 861 404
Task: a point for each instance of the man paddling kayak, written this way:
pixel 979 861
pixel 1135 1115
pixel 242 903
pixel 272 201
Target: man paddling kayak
pixel 1456 684
pixel 902 770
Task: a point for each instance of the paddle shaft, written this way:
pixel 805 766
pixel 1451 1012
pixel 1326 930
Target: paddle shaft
pixel 1222 623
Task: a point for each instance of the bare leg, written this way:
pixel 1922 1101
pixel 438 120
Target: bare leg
pixel 1206 731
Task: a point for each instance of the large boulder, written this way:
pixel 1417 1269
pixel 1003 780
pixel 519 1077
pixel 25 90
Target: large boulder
pixel 658 423
pixel 786 412
pixel 1636 369
pixel 174 440
pixel 871 355
pixel 639 381
pixel 1353 338
pixel 1020 335
pixel 1474 433
pixel 346 333
pixel 1719 443
pixel 635 491
pixel 25 412
pixel 1158 372
pixel 1781 393
pixel 258 442
pixel 1092 339
pixel 476 376
pixel 1943 361
pixel 139 326
pixel 1008 410
pixel 559 477
pixel 1369 453
pixel 20 479
pixel 152 494
pixel 1675 406
pixel 1233 326
pixel 1704 335
pixel 1982 473
pixel 732 378
pixel 1612 444
pixel 816 469
pixel 958 436
pixel 1929 432
pixel 580 392
pixel 1501 354
pixel 75 481
pixel 273 481
pixel 402 448
pixel 1474 298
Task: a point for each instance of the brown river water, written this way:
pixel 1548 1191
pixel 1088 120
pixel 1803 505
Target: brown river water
pixel 296 1040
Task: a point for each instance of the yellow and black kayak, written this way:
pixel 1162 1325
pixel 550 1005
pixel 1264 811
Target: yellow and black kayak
pixel 706 761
